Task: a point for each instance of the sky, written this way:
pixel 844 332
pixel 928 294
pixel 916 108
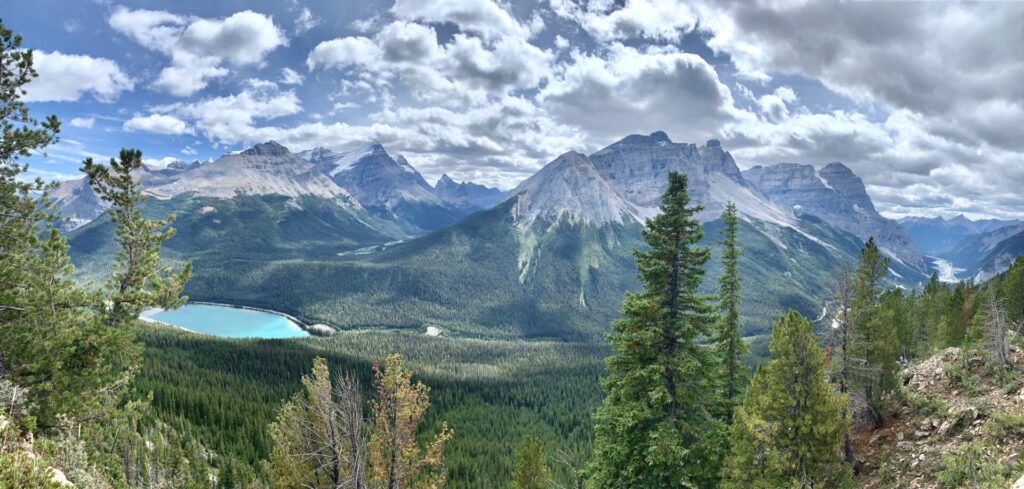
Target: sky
pixel 923 99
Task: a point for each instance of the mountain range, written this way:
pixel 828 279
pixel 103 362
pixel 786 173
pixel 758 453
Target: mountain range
pixel 360 179
pixel 356 238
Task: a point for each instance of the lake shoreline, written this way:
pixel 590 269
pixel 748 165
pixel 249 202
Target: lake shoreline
pixel 300 325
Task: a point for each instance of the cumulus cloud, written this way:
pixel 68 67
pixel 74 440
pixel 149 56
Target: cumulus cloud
pixel 157 124
pixel 82 122
pixel 67 77
pixel 466 69
pixel 483 17
pixel 662 20
pixel 198 48
pixel 632 91
pixel 231 119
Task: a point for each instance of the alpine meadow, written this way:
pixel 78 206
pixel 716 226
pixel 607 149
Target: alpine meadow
pixel 511 244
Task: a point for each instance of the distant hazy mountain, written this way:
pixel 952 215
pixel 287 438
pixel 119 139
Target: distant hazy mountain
pixel 987 254
pixel 835 194
pixel 937 235
pixel 77 202
pixel 466 195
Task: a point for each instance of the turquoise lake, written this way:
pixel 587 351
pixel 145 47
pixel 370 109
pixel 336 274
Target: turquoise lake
pixel 228 322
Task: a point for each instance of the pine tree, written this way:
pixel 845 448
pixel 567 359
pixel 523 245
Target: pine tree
pixel 396 459
pixel 656 427
pixel 728 342
pixel 790 428
pixel 60 340
pixel 531 469
pixel 957 316
pixel 874 342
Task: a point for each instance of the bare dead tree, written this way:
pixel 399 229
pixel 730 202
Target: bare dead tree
pixel 573 462
pixel 996 325
pixel 349 411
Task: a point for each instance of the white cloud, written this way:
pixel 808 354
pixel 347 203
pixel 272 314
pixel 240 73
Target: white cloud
pixel 231 119
pixel 82 122
pixel 468 69
pixel 662 20
pixel 198 48
pixel 632 91
pixel 66 77
pixel 159 162
pixel 305 21
pixel 290 77
pixel 484 17
pixel 157 124
pixel 344 52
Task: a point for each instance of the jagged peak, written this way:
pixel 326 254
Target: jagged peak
pixel 269 148
pixel 445 180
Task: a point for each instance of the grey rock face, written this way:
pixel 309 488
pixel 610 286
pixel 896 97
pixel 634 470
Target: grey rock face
pixel 77 202
pixel 836 195
pixel 637 168
pixel 266 168
pixel 466 195
pixel 372 176
pixel 569 189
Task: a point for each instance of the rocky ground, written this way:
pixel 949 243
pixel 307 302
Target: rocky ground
pixel 957 423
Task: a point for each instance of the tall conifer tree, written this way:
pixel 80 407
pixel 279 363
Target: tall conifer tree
pixel 656 428
pixel 790 429
pixel 874 340
pixel 728 342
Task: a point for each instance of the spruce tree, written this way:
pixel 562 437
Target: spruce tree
pixel 656 427
pixel 728 342
pixel 790 428
pixel 874 342
pixel 531 470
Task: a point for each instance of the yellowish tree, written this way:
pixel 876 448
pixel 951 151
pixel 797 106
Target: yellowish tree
pixel 397 460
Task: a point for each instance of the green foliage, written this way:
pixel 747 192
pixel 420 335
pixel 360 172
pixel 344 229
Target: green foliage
pixel 1004 426
pixel 790 429
pixel 19 469
pixel 975 466
pixel 1013 290
pixel 657 427
pixel 531 469
pixel 874 341
pixel 728 343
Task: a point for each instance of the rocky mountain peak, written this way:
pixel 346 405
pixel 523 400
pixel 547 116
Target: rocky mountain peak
pixel 837 195
pixel 569 189
pixel 841 178
pixel 444 181
pixel 269 148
